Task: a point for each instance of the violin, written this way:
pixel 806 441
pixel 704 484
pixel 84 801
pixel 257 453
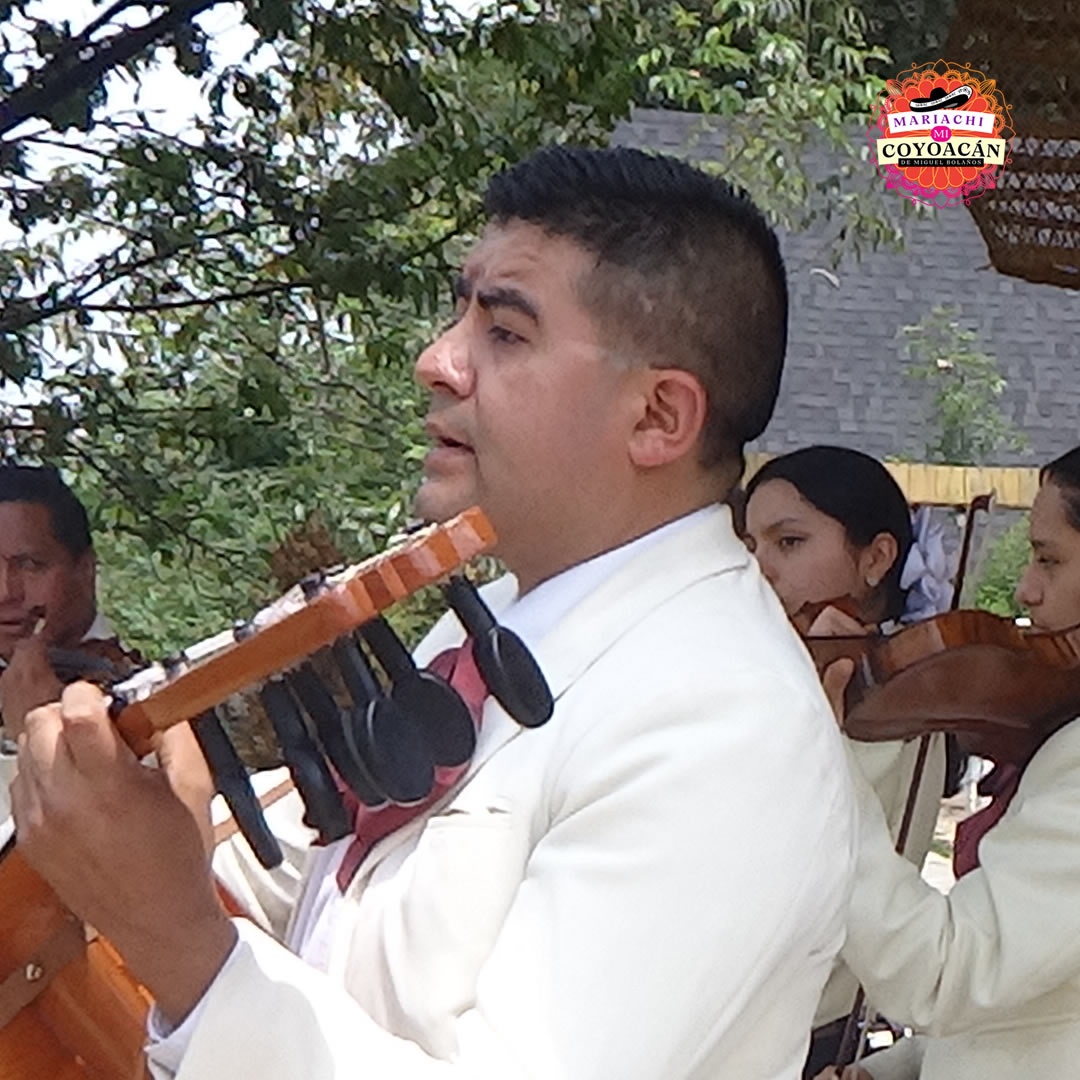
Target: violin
pixel 1003 690
pixel 104 662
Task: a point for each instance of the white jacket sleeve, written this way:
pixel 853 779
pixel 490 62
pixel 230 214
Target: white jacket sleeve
pixel 1007 933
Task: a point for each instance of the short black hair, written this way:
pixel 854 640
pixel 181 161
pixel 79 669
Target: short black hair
pixel 44 486
pixel 1064 474
pixel 688 272
pixel 856 490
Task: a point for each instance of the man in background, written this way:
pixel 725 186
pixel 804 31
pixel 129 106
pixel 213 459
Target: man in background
pixel 47 576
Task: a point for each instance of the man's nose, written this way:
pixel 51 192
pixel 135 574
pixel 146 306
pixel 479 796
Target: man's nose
pixel 446 364
pixel 11 588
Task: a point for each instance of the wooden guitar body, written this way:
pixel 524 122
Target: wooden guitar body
pixel 87 1018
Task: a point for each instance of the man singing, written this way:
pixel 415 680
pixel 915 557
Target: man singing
pixel 652 885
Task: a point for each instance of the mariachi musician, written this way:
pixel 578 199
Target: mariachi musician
pixel 47 575
pixel 826 522
pixel 618 893
pixel 990 973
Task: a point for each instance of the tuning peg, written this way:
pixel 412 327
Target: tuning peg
pixel 336 732
pixel 444 719
pixel 388 739
pixel 509 669
pixel 312 584
pixel 325 808
pixel 231 779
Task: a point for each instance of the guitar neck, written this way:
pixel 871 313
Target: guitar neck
pixel 297 625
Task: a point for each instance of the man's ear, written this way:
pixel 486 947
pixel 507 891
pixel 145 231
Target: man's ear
pixel 672 416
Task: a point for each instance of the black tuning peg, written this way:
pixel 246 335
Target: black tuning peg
pixel 230 776
pixel 444 719
pixel 231 779
pixel 388 739
pixel 325 808
pixel 336 731
pixel 506 665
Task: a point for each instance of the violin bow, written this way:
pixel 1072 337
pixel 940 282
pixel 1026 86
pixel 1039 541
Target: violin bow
pixel 856 1030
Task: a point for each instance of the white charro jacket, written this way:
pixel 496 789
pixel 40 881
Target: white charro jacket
pixel 991 972
pixel 650 887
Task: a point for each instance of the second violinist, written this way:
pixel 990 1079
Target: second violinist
pixel 828 522
pixel 990 973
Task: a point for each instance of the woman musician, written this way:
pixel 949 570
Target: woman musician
pixel 990 973
pixel 826 522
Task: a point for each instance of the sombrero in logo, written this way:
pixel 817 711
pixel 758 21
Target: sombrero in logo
pixel 938 99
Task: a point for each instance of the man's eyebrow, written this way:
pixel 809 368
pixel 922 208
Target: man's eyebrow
pixel 506 297
pixel 496 296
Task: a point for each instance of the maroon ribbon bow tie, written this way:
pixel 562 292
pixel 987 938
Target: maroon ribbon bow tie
pixel 1001 784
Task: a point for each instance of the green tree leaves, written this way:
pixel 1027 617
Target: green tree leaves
pixel 965 386
pixel 211 323
pixel 784 80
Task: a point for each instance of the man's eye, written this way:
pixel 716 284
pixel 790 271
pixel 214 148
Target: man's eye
pixel 787 543
pixel 1046 560
pixel 504 336
pixel 28 564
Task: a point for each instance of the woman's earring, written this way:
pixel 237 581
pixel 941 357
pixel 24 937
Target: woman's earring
pixel 872 582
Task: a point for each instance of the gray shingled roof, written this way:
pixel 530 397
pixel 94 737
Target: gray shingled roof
pixel 844 380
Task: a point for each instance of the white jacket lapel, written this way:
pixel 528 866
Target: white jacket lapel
pixel 662 570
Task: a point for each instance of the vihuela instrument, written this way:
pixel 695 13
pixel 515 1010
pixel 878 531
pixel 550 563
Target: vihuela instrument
pixel 69 1009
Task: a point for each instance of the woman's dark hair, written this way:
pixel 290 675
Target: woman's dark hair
pixel 1064 474
pixel 857 491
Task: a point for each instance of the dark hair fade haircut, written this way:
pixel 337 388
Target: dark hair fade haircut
pixel 857 491
pixel 42 485
pixel 1064 474
pixel 688 273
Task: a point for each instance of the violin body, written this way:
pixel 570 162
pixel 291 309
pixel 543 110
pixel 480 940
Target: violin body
pixel 1003 690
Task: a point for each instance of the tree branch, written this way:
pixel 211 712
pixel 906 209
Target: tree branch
pixel 20 321
pixel 105 17
pixel 83 62
pixel 203 301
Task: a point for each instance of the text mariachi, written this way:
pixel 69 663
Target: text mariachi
pixel 982 122
pixel 975 152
